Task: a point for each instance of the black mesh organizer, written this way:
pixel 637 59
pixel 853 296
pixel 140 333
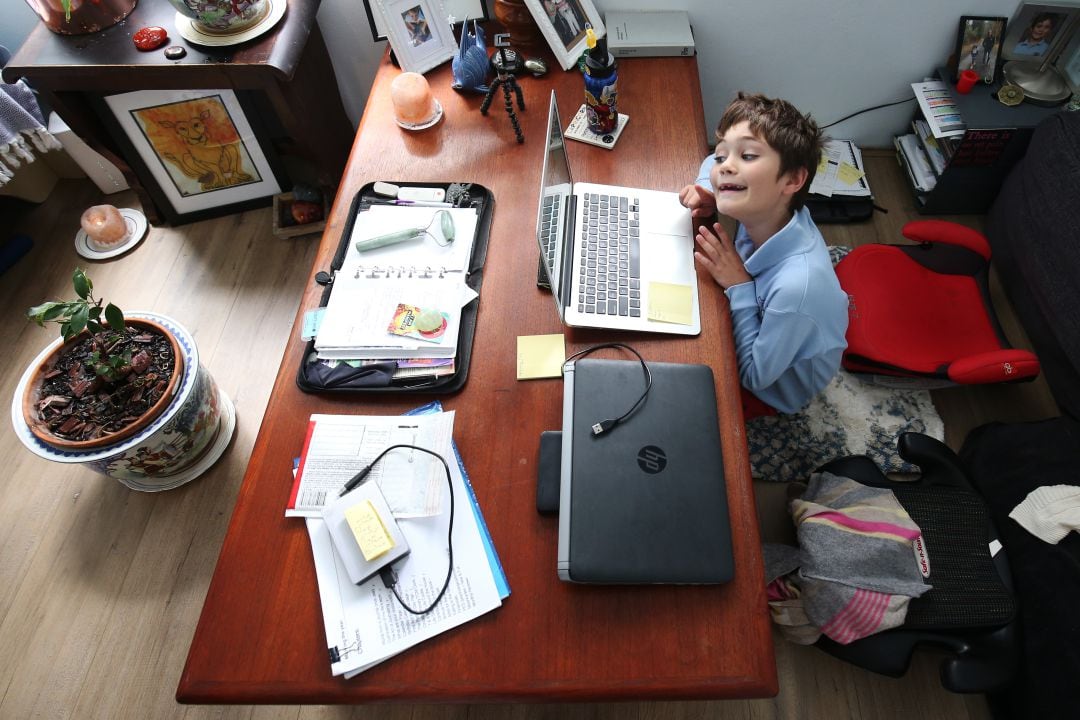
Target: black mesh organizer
pixel 317 377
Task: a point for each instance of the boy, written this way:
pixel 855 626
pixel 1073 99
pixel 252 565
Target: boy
pixel 788 312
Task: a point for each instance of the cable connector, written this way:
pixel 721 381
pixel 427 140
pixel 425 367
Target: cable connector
pixel 389 577
pixel 603 426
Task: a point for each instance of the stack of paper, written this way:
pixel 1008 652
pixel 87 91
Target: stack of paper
pixel 364 623
pixel 915 162
pixel 378 294
pixel 930 145
pixel 939 109
pixel 840 171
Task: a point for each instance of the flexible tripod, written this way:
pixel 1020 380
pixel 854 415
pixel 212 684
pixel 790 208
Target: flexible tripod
pixel 506 63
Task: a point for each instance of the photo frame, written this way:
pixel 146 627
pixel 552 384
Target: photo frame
pixel 1034 28
pixel 420 40
pixel 562 23
pixel 1068 63
pixel 460 10
pixel 978 46
pixel 195 151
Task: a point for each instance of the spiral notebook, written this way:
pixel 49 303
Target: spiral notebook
pixel 379 295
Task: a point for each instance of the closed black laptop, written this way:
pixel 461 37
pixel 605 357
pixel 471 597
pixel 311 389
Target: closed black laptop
pixel 644 502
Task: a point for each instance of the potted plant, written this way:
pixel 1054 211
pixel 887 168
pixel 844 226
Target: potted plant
pixel 76 17
pixel 124 395
pixel 109 378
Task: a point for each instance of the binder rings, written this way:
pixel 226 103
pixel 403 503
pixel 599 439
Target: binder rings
pixel 378 376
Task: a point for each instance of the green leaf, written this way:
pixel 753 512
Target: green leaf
pixel 94 326
pixel 37 313
pixel 114 317
pixel 82 284
pixel 65 331
pixel 60 310
pixel 79 318
pixel 95 312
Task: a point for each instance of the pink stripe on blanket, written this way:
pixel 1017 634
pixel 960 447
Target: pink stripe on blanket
pixel 859 618
pixel 868 526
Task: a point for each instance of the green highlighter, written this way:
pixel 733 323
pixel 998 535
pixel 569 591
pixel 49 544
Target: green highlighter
pixel 446 223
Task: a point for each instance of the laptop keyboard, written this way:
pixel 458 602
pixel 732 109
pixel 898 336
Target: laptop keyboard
pixel 549 227
pixel 610 271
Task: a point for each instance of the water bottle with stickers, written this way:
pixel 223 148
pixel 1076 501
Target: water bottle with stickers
pixel 601 85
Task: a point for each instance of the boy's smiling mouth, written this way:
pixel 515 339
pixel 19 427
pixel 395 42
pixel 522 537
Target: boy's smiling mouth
pixel 729 187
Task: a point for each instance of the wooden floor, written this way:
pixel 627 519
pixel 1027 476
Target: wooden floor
pixel 101 587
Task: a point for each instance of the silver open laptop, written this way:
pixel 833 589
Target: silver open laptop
pixel 605 248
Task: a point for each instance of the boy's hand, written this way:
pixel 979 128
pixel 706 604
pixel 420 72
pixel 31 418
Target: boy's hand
pixel 717 254
pixel 701 201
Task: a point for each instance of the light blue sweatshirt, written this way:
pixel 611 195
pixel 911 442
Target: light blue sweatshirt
pixel 789 321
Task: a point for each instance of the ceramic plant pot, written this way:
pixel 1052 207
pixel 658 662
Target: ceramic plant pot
pixel 177 446
pixel 86 16
pixel 32 393
pixel 223 17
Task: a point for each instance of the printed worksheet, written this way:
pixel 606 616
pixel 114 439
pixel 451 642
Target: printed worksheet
pixel 339 446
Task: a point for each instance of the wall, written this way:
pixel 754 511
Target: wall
pixel 829 58
pixel 18 21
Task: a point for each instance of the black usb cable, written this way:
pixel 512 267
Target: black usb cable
pixel 389 577
pixel 603 426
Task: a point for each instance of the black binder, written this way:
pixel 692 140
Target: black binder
pixel 315 377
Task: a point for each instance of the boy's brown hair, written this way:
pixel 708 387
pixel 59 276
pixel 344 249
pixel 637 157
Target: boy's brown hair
pixel 793 135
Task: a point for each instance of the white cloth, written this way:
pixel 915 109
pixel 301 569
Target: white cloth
pixel 21 123
pixel 1050 512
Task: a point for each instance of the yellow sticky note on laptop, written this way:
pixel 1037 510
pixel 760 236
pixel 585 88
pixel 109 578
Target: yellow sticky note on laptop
pixel 540 356
pixel 671 303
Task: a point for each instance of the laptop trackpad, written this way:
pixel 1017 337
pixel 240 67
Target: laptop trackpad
pixel 663 214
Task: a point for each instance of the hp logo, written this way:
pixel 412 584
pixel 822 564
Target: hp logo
pixel 651 459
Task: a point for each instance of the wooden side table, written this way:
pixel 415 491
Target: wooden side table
pixel 289 68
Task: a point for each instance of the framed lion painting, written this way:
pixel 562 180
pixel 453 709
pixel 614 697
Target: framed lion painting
pixel 198 154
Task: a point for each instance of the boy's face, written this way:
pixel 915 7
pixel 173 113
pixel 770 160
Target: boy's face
pixel 746 177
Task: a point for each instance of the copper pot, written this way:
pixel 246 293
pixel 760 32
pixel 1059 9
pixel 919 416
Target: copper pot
pixel 87 16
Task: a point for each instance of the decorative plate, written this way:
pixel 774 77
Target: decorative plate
pixel 136 227
pixel 190 31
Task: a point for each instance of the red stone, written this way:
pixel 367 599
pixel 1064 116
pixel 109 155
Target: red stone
pixel 150 38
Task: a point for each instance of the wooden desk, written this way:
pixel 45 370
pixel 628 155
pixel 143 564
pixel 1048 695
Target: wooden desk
pixel 288 67
pixel 260 638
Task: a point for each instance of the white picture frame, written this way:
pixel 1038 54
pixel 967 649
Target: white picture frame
pixel 562 23
pixel 419 32
pixel 1034 30
pixel 1068 63
pixel 198 147
pixel 459 10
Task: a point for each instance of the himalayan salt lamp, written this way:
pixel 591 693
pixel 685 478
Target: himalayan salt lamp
pixel 104 226
pixel 413 102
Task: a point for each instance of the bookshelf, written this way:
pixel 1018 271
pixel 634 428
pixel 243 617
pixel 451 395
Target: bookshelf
pixel 976 163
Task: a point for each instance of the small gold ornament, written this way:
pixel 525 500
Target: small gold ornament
pixel 1010 95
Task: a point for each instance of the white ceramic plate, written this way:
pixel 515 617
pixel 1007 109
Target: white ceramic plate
pixel 191 32
pixel 427 123
pixel 136 226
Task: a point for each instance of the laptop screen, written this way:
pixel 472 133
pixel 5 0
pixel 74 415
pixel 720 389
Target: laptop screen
pixel 553 212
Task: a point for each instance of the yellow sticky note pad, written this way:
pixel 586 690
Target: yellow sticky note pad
pixel 823 164
pixel 368 529
pixel 849 174
pixel 540 356
pixel 671 303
